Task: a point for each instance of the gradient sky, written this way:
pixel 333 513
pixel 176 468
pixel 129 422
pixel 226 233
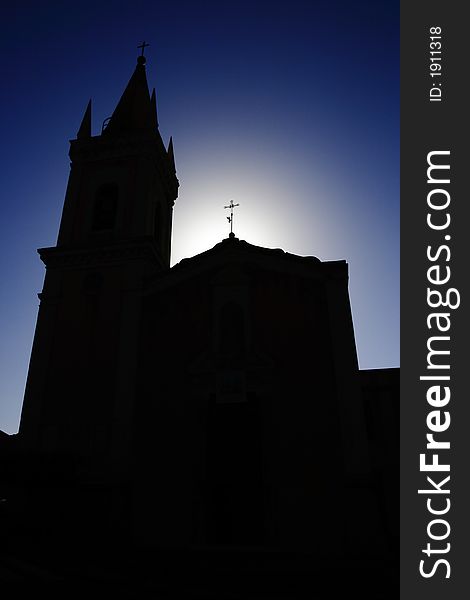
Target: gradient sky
pixel 291 109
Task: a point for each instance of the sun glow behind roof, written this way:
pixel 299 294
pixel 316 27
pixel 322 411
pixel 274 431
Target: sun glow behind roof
pixel 267 195
pixel 324 204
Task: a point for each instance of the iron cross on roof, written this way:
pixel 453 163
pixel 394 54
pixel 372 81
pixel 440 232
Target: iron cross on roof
pixel 230 219
pixel 143 45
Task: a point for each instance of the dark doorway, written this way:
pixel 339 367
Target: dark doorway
pixel 234 482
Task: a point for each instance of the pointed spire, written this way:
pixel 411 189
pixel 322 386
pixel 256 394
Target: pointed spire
pixel 153 104
pixel 85 127
pixel 171 154
pixel 133 114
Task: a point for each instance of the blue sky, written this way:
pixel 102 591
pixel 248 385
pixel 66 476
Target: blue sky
pixel 291 109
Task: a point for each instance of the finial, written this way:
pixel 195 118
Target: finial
pixel 85 126
pixel 153 108
pixel 230 219
pixel 171 154
pixel 141 60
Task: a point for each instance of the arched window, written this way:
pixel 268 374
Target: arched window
pixel 158 220
pixel 105 208
pixel 231 344
pixel 231 330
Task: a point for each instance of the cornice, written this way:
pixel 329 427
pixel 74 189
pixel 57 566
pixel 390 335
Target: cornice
pixel 111 254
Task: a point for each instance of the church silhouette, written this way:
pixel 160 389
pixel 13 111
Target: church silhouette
pixel 199 431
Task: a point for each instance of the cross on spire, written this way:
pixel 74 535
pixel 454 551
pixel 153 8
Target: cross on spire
pixel 230 219
pixel 143 45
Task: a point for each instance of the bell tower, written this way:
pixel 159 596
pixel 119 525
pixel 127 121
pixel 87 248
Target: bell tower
pixel 115 234
pixel 122 184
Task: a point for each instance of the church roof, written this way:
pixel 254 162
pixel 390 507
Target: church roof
pixel 241 247
pixel 233 250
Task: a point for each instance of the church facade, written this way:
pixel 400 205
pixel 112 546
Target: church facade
pixel 217 403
